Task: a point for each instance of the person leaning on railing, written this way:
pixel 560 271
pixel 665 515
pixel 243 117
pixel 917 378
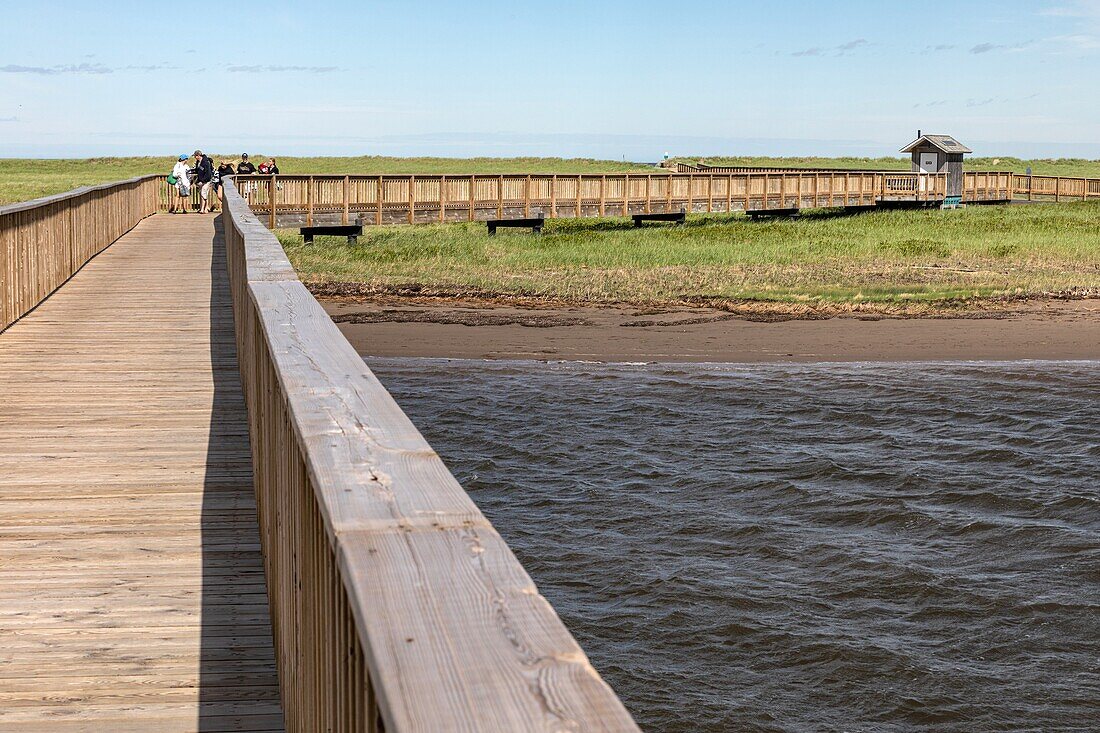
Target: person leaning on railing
pixel 180 179
pixel 225 168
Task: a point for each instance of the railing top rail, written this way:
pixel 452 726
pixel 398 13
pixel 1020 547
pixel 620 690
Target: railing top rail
pixel 455 634
pixel 616 174
pixel 57 197
pixel 457 176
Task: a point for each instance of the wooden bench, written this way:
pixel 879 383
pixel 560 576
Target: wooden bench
pixel 535 224
pixel 679 217
pixel 757 214
pixel 351 231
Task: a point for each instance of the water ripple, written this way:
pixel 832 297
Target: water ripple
pixel 859 547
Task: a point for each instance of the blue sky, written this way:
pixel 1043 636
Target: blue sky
pixel 610 79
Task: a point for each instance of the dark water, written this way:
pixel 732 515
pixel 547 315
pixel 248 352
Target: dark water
pixel 900 547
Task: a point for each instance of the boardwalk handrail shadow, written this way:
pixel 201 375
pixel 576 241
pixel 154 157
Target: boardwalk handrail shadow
pixel 394 602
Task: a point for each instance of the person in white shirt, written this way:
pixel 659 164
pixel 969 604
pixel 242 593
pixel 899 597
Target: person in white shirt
pixel 182 173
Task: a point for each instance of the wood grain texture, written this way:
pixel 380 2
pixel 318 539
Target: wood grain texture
pixel 394 602
pixel 132 589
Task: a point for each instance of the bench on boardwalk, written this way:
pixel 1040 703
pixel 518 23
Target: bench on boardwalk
pixel 351 231
pixel 535 223
pixel 679 217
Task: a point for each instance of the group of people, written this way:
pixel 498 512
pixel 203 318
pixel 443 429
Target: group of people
pixel 208 179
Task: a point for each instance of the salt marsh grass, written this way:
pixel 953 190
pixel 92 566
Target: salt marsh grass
pixel 889 257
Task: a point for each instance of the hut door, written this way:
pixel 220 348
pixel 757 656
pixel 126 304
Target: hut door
pixel 929 163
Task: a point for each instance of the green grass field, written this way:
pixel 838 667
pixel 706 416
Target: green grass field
pixel 884 257
pixel 22 179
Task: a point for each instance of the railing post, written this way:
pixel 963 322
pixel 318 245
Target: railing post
pixel 626 194
pixel 710 193
pixel 527 197
pixel 442 199
pixel 1057 190
pixel 412 199
pixel 347 201
pixel 603 193
pixel 691 193
pixel 381 195
pixel 553 195
pixel 271 202
pixel 668 192
pixel 580 188
pixel 309 201
pixel 649 193
pixel 767 185
pixel 473 199
pixel 500 197
pixel 729 194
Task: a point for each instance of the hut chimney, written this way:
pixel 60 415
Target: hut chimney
pixel 919 135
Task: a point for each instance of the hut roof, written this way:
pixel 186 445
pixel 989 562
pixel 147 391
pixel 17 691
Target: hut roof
pixel 946 143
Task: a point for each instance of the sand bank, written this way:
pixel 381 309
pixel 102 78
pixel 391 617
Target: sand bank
pixel 1052 329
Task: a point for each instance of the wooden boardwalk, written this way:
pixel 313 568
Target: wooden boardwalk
pixel 132 593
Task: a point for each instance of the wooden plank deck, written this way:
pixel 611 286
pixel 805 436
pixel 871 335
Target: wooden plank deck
pixel 132 593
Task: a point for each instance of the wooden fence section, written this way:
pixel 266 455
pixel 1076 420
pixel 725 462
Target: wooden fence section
pixel 394 602
pixel 395 199
pixel 44 241
pixel 288 200
pixel 981 186
pixel 1055 188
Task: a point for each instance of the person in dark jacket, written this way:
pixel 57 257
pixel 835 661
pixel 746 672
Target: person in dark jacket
pixel 224 169
pixel 204 178
pixel 245 167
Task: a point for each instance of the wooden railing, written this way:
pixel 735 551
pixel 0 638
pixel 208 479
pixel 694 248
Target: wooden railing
pixel 987 186
pixel 394 602
pixel 704 168
pixel 1055 188
pixel 394 199
pixel 397 199
pixel 45 241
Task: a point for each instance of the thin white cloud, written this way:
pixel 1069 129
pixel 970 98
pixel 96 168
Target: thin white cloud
pixel 840 50
pixel 261 69
pixel 57 69
pixel 988 47
pixel 1085 15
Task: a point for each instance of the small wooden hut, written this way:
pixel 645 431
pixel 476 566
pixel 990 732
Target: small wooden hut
pixel 940 154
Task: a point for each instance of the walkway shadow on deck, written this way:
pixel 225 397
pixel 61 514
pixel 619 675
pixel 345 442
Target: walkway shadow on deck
pixel 238 684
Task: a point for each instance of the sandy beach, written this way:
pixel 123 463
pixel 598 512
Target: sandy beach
pixel 470 329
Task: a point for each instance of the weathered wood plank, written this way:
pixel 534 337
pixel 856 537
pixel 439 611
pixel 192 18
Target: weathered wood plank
pixel 132 591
